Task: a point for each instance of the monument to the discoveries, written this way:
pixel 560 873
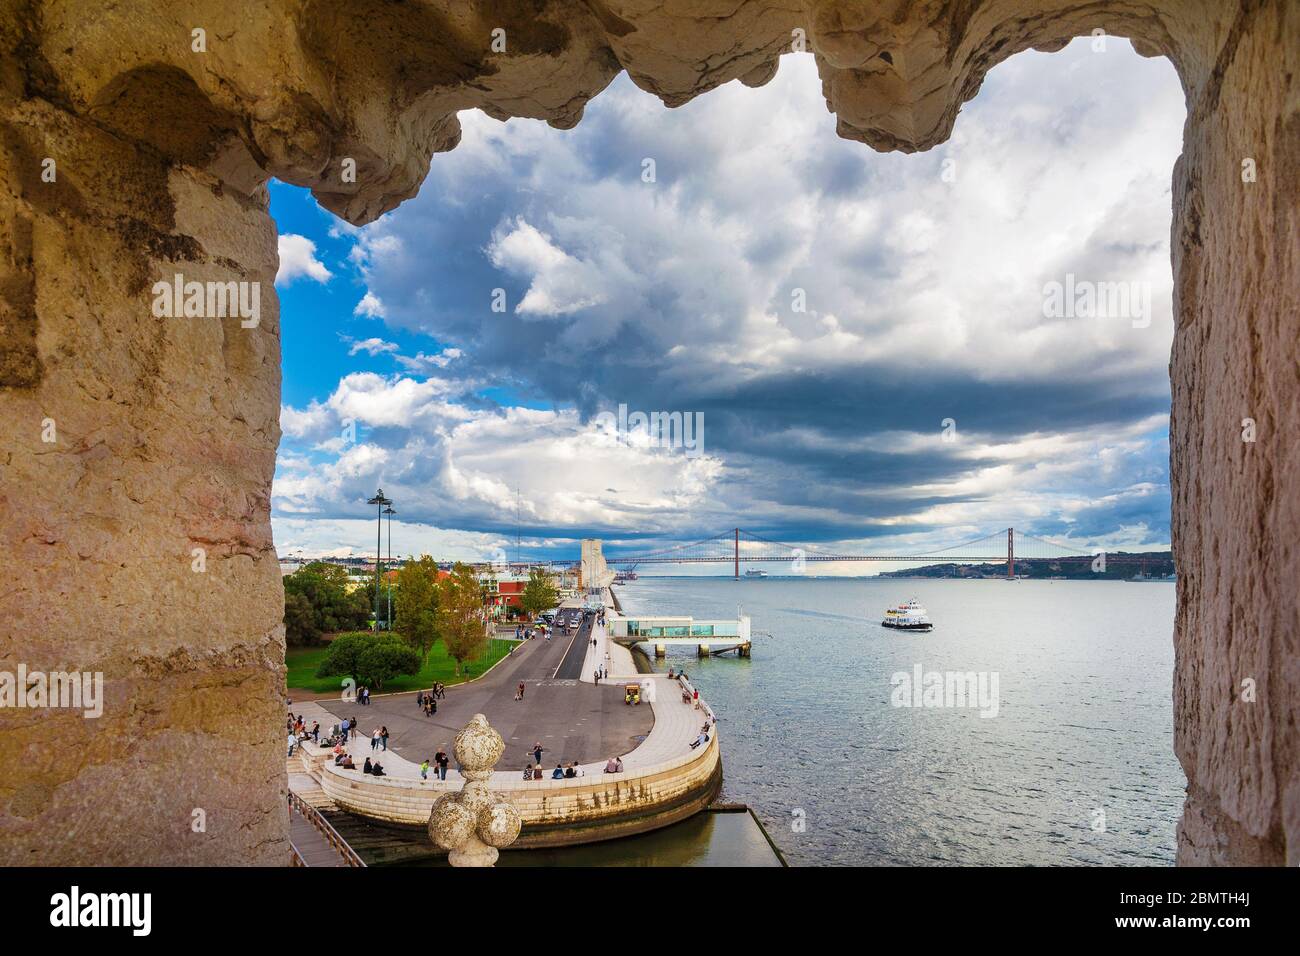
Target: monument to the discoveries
pixel 136 450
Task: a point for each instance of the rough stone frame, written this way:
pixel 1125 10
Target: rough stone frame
pixel 167 432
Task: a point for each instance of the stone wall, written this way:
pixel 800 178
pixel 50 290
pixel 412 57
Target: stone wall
pixel 554 812
pixel 165 118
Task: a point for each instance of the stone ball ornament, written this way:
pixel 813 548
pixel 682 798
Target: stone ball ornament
pixel 499 824
pixel 478 748
pixel 474 823
pixel 450 824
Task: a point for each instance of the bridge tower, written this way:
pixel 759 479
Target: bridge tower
pixel 1011 554
pixel 737 554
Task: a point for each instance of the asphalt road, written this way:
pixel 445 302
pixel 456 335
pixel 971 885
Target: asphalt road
pixel 570 719
pixel 571 666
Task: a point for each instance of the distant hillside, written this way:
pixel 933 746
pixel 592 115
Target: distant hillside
pixel 1120 565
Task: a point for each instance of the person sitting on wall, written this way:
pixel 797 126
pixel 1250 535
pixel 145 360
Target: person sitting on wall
pixel 378 769
pixel 347 763
pixel 703 738
pixel 618 764
pixel 572 770
pixel 557 773
pixel 528 771
pixel 368 768
pixel 611 766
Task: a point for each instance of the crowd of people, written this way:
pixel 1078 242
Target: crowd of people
pixel 438 765
pixel 561 772
pixel 298 732
pixel 428 701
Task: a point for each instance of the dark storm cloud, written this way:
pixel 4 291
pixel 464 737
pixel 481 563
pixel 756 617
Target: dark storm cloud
pixel 923 300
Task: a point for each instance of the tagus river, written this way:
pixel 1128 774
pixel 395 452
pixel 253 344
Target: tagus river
pixel 1074 764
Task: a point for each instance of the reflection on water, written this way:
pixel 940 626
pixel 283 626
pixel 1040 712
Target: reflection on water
pixel 1076 768
pixel 712 838
pixel 706 839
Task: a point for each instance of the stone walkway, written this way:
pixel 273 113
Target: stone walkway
pixel 676 724
pixel 572 719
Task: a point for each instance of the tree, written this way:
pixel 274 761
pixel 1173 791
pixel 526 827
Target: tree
pixel 343 656
pixel 299 619
pixel 333 607
pixel 417 603
pixel 539 593
pixel 369 659
pixel 386 658
pixel 460 615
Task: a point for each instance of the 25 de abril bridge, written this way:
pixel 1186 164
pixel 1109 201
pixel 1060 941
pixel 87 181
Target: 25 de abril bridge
pixel 738 546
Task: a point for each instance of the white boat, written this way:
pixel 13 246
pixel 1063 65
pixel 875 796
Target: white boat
pixel 908 617
pixel 755 573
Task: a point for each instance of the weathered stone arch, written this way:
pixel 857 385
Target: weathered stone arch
pixel 167 429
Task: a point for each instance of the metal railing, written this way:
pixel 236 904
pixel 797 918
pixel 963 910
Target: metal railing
pixel 314 817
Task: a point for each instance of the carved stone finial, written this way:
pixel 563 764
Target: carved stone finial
pixel 474 823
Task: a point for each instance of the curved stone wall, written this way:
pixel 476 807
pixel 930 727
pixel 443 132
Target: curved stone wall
pixel 554 812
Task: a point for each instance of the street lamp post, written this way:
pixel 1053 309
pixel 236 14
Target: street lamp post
pixel 390 512
pixel 381 502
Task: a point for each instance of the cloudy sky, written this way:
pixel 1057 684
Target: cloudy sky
pixel 825 308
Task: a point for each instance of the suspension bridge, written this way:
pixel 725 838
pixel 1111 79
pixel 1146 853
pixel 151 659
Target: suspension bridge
pixel 738 546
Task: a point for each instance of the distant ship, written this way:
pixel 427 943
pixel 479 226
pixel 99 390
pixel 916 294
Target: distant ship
pixel 755 573
pixel 908 617
pixel 622 577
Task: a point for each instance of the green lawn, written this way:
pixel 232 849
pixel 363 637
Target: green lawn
pixel 303 661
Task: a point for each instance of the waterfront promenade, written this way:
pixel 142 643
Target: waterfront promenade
pixel 574 719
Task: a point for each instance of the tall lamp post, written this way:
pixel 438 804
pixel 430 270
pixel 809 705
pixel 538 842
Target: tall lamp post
pixel 381 502
pixel 390 512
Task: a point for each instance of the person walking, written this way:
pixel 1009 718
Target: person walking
pixel 344 728
pixel 440 758
pixel 538 750
pixel 424 769
pixel 519 693
pixel 374 740
pixel 383 737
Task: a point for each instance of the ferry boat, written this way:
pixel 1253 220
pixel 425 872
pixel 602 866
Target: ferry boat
pixel 908 617
pixel 755 573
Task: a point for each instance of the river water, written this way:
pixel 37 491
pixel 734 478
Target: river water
pixel 1073 766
